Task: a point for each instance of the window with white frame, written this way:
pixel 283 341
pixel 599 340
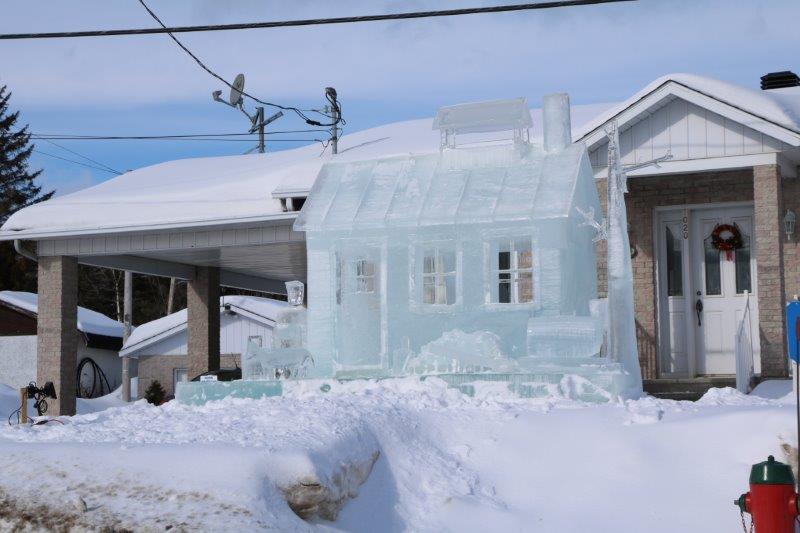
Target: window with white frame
pixel 438 276
pixel 512 272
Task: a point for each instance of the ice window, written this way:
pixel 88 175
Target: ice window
pixel 364 276
pixel 439 276
pixel 743 266
pixel 513 272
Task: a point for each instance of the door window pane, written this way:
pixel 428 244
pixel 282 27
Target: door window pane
pixel 674 265
pixel 712 268
pixel 742 259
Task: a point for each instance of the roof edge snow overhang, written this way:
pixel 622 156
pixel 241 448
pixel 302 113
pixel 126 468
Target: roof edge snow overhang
pixel 220 223
pixel 133 349
pixel 675 88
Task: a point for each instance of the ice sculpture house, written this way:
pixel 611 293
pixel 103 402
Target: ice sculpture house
pixel 473 259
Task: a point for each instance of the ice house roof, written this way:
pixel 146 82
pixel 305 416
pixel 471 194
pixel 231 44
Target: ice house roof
pixel 460 186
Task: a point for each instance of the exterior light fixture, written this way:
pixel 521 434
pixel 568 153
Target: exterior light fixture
pixel 789 220
pixel 294 292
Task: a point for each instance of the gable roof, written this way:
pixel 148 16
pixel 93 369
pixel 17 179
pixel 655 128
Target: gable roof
pixel 775 112
pixel 503 183
pixel 211 191
pixel 262 310
pixel 89 322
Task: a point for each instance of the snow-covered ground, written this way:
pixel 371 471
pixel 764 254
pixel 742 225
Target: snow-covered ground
pixel 445 462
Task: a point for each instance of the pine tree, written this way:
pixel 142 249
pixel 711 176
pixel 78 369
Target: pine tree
pixel 18 189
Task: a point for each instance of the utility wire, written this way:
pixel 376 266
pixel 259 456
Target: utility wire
pixel 69 136
pixel 79 155
pixel 311 22
pixel 211 139
pixel 76 162
pixel 202 65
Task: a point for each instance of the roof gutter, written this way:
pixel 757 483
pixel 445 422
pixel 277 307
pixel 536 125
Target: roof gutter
pixel 23 252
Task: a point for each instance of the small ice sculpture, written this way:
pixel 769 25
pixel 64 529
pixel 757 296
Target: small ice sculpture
pixel 287 357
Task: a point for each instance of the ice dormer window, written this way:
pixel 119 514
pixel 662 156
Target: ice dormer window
pixel 294 203
pixel 512 272
pixel 439 276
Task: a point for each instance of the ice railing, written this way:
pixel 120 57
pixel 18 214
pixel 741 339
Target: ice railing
pixel 288 357
pixel 744 349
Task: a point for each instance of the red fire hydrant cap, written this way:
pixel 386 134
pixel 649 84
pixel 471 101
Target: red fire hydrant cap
pixel 771 472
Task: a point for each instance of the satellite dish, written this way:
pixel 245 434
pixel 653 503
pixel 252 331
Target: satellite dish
pixel 236 90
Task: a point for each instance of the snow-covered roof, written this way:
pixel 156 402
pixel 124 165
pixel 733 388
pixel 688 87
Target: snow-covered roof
pixel 780 107
pixel 263 310
pixel 217 190
pixel 503 183
pixel 90 322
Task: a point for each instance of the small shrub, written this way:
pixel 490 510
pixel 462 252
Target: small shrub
pixel 155 393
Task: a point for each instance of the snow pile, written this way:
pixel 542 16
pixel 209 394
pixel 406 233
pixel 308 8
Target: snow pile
pixel 446 462
pixel 88 321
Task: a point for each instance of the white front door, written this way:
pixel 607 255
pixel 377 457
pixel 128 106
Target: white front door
pixel 702 290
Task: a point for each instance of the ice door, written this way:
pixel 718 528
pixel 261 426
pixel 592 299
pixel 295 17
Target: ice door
pixel 719 283
pixel 358 317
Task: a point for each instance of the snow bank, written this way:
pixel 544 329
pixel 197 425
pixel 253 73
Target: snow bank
pixel 447 462
pixel 88 321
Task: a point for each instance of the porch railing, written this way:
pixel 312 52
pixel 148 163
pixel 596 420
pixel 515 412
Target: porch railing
pixel 744 349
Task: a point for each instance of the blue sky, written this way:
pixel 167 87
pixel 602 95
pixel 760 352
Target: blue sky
pixel 384 72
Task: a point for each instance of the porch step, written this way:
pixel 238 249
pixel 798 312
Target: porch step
pixel 691 389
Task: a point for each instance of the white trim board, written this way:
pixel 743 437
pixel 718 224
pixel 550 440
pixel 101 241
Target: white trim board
pixel 710 164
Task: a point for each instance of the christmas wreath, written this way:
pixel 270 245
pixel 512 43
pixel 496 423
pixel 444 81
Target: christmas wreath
pixel 726 238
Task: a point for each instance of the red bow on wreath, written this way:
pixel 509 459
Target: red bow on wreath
pixel 726 238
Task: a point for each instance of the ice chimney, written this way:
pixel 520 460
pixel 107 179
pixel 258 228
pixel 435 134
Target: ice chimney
pixel 556 122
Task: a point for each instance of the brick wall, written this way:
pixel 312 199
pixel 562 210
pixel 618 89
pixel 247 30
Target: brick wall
pixel 645 194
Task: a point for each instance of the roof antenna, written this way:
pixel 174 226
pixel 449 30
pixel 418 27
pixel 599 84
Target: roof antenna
pixel 257 122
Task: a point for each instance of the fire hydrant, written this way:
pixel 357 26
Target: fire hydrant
pixel 772 501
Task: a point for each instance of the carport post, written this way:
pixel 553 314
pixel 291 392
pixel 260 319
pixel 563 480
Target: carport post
pixel 202 300
pixel 127 317
pixel 57 330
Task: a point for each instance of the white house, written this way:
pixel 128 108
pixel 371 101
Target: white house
pixel 99 340
pixel 161 346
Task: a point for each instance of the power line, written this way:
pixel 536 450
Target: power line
pixel 202 65
pixel 81 155
pixel 211 139
pixel 70 136
pixel 310 22
pixel 76 162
